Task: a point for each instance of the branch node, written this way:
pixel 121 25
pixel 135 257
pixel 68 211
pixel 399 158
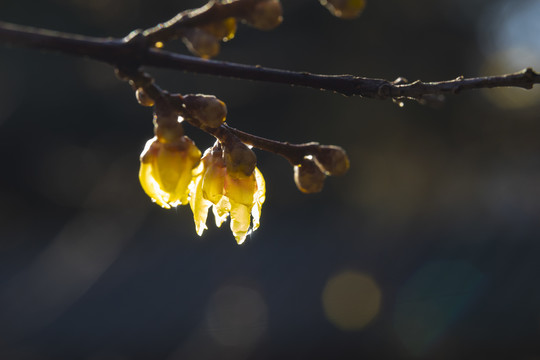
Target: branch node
pixel 136 44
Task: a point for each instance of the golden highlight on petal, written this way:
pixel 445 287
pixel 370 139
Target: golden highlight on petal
pixel 199 205
pixel 150 186
pixel 240 221
pixel 241 199
pixel 213 183
pixel 166 170
pixel 259 199
pixel 241 191
pixel 221 211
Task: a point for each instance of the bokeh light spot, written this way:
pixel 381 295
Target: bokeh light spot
pixel 236 316
pixel 351 300
pixel 508 36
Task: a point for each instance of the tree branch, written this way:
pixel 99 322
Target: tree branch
pixel 134 51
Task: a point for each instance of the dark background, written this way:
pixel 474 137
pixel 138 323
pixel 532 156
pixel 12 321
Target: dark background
pixel 439 213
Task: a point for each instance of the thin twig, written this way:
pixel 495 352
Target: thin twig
pixel 134 52
pixel 294 153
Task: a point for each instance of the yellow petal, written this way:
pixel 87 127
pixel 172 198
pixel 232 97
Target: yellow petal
pixel 193 152
pixel 213 182
pixel 198 170
pixel 259 199
pixel 221 210
pixel 241 190
pixel 240 221
pixel 260 195
pixel 170 164
pixel 181 192
pixel 150 186
pixel 174 164
pixel 150 150
pixel 199 205
pixel 166 170
pixel 256 215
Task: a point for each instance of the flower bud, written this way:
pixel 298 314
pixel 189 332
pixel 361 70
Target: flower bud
pixel 308 177
pixel 266 15
pixel 241 198
pixel 166 170
pixel 332 160
pixel 345 9
pixel 143 98
pixel 169 133
pixel 239 159
pixel 201 43
pixel 207 109
pixel 222 30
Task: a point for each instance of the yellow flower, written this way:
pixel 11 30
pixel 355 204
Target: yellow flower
pixel 166 170
pixel 241 198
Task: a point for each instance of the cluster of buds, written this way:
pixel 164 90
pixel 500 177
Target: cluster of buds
pixel 173 172
pixel 204 40
pixel 226 186
pixel 312 170
pixel 226 178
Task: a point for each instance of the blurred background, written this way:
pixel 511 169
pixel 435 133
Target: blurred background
pixel 427 248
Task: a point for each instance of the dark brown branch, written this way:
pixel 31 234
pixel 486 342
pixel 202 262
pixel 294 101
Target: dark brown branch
pixel 292 152
pixel 134 52
pixel 100 49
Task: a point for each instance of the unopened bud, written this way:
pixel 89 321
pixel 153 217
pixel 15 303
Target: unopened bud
pixel 201 43
pixel 308 177
pixel 345 9
pixel 240 160
pixel 207 109
pixel 223 30
pixel 332 160
pixel 266 15
pixel 167 128
pixel 143 98
pixel 169 133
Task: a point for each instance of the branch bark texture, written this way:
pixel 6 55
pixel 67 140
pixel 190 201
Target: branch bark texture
pixel 136 50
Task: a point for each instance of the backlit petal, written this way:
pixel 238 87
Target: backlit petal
pixel 259 199
pixel 181 192
pixel 150 186
pixel 221 210
pixel 213 182
pixel 166 170
pixel 240 221
pixel 199 205
pixel 170 167
pixel 241 190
